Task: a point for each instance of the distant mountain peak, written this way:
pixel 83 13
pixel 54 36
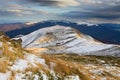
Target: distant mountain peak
pixel 31 23
pixel 62 39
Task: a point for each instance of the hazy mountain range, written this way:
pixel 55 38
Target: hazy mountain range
pixel 11 26
pixel 108 33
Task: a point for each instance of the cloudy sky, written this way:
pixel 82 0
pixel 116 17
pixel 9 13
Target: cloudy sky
pixel 92 11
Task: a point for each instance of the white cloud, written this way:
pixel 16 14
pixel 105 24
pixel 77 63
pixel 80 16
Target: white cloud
pixel 66 3
pixel 91 1
pixel 101 2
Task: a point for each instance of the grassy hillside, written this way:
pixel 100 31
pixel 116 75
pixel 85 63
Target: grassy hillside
pixel 19 64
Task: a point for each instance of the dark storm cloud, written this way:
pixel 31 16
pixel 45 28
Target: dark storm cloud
pixel 45 2
pixel 73 10
pixel 112 8
pixel 102 13
pixel 55 3
pixel 5 13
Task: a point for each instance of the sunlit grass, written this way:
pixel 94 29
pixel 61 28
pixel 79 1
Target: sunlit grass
pixel 11 50
pixel 64 68
pixel 3 65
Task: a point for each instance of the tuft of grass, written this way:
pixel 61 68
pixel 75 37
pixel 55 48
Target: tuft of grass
pixel 37 69
pixel 72 64
pixel 64 68
pixel 3 65
pixel 9 54
pixel 12 77
pixel 109 75
pixel 89 59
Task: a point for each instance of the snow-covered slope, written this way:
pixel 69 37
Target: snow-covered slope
pixel 60 39
pixel 19 64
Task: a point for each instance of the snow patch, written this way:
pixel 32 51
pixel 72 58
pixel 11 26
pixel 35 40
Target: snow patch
pixel 87 23
pixel 76 77
pixel 36 77
pixel 1 44
pixel 19 76
pixel 103 78
pixel 99 72
pixel 44 76
pixel 5 76
pixel 35 59
pixel 20 65
pixel 11 49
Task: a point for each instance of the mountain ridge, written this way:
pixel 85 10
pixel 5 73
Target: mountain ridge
pixel 61 39
pixel 107 33
pixel 17 63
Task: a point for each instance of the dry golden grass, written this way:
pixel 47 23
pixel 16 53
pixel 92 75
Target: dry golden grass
pixel 74 64
pixel 46 38
pixel 64 68
pixel 96 61
pixel 3 65
pixel 64 65
pixel 32 69
pixel 12 77
pixel 36 50
pixel 9 54
pixel 37 68
pixel 43 68
pixel 110 76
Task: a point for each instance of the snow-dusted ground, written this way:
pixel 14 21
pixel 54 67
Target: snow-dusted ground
pixel 29 61
pixel 26 65
pixel 5 76
pixel 60 39
pixel 0 44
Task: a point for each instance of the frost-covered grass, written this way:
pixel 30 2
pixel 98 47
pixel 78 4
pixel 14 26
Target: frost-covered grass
pixel 65 68
pixel 10 51
pixel 98 60
pixel 36 66
pixel 98 67
pixel 19 64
